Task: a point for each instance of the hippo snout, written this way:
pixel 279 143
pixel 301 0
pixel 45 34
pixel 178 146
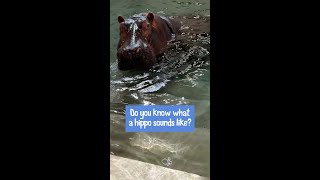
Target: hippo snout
pixel 131 54
pixel 133 58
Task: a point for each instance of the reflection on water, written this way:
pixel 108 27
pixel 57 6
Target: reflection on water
pixel 181 77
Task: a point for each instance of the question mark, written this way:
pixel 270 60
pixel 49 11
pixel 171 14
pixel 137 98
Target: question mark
pixel 189 121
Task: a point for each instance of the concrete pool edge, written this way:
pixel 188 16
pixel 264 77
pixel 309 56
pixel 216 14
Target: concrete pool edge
pixel 129 169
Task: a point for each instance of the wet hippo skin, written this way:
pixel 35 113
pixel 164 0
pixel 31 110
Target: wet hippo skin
pixel 143 37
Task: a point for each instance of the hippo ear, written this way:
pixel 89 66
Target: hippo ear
pixel 150 17
pixel 120 19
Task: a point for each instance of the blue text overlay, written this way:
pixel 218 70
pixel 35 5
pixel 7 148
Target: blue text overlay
pixel 160 118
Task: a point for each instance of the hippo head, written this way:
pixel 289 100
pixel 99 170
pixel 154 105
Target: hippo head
pixel 134 47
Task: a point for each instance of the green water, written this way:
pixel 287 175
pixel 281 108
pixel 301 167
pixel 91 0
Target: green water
pixel 182 77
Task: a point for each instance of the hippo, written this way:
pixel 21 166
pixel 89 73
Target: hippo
pixel 143 38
